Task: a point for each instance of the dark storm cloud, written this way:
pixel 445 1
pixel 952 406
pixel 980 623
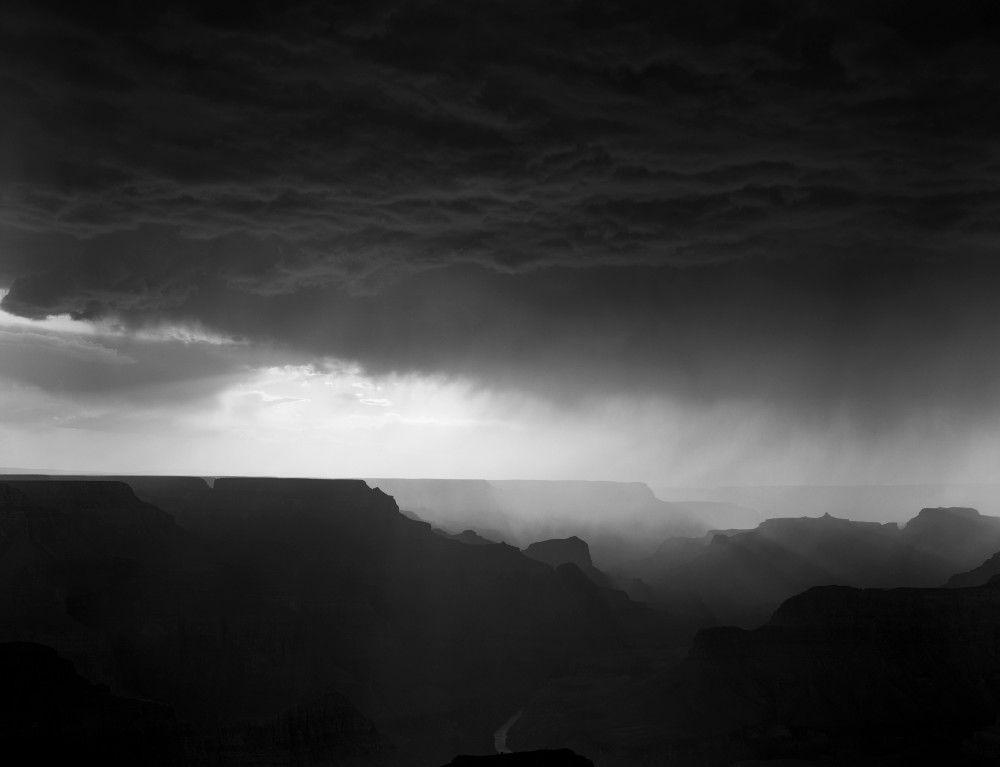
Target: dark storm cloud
pixel 582 187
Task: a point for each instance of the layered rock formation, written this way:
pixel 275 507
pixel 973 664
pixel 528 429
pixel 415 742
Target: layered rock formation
pixel 310 622
pixel 744 575
pixel 288 604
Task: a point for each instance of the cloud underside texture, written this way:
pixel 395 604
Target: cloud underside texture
pixel 786 202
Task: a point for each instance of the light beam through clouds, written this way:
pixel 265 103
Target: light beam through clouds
pixel 331 419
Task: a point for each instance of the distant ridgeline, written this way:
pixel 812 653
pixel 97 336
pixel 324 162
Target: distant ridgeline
pixel 868 503
pixel 621 521
pixel 160 620
pixel 741 576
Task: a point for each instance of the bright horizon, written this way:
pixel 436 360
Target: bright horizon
pixel 257 413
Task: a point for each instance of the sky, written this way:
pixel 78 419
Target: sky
pixel 690 243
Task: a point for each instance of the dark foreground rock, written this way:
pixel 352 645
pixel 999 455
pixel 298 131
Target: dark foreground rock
pixel 51 714
pixel 323 731
pixel 559 757
pixel 55 716
pixel 842 675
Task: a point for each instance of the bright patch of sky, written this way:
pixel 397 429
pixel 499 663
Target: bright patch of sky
pixel 79 397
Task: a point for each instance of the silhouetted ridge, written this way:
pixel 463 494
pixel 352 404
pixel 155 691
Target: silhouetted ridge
pixel 948 527
pixel 244 508
pixel 979 576
pixel 559 550
pixel 572 550
pixel 619 520
pixel 93 519
pixel 84 495
pixel 175 495
pixel 470 537
pixel 452 504
pixel 932 515
pixel 277 496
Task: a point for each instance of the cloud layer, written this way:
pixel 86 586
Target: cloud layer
pixel 769 201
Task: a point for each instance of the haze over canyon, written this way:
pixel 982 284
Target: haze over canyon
pixel 421 382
